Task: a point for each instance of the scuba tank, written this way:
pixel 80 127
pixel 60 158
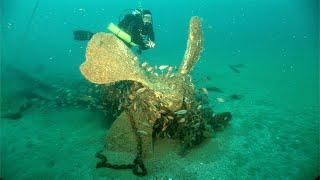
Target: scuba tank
pixel 120 34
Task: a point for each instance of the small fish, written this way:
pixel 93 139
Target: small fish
pixel 12 116
pixel 204 90
pixel 181 112
pixel 234 69
pixel 215 89
pixel 162 67
pixel 149 69
pixel 238 65
pixel 17 115
pixel 235 97
pixel 221 118
pixel 220 100
pixel 206 78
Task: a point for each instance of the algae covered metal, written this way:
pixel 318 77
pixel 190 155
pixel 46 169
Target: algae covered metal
pixel 155 106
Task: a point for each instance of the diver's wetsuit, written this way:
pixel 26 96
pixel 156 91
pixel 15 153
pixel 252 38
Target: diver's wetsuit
pixel 139 32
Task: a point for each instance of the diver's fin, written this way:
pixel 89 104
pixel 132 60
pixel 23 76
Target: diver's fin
pixel 82 35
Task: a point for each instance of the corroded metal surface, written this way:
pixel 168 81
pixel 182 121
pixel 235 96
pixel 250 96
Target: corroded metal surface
pixel 109 60
pixel 194 46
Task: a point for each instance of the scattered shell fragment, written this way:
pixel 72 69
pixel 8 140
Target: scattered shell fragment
pixel 158 115
pixel 186 100
pixel 165 120
pixel 142 132
pixel 162 67
pixel 170 117
pixel 199 107
pixel 169 104
pixel 131 97
pixel 146 124
pixel 149 69
pixel 164 127
pixel 158 94
pixel 141 90
pixel 196 125
pixel 220 100
pixel 135 106
pixel 162 111
pixel 181 112
pixel 182 120
pixel 100 107
pixel 144 64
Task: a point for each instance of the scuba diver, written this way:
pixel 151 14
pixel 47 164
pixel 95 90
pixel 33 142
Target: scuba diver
pixel 135 30
pixel 138 24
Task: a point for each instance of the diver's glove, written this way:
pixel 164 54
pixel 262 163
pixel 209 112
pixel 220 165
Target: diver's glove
pixel 150 44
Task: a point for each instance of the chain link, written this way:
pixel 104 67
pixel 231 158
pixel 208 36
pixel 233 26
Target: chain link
pixel 137 166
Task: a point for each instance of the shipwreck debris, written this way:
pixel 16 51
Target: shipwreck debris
pixel 155 104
